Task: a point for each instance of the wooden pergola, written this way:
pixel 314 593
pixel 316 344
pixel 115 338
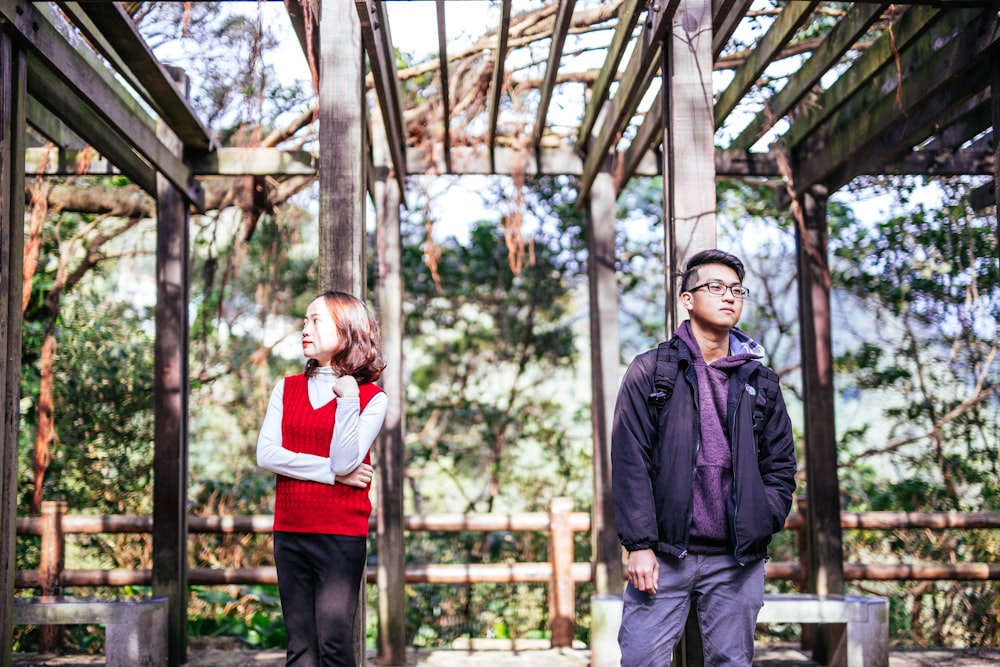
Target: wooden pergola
pixel 890 89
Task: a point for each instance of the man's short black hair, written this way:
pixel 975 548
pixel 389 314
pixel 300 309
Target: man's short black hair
pixel 712 256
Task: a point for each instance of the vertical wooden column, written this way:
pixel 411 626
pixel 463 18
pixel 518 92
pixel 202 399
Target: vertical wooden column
pixel 688 146
pixel 688 182
pixel 170 403
pixel 826 555
pixel 605 370
pixel 12 145
pixel 51 562
pixel 341 153
pixel 995 104
pixel 390 452
pixel 562 596
pixel 342 179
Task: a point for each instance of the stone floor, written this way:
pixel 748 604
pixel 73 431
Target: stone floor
pixel 767 656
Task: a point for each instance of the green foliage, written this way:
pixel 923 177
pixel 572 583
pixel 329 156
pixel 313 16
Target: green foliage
pixel 105 358
pixel 245 614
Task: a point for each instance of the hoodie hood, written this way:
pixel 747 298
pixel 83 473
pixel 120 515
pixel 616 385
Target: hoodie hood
pixel 741 343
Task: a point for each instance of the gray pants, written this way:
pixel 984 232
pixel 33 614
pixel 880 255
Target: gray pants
pixel 727 598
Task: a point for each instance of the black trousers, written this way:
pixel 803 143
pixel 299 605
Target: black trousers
pixel 319 579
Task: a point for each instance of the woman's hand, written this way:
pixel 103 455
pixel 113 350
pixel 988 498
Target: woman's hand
pixel 360 477
pixel 346 387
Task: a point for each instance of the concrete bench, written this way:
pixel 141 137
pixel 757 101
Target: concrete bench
pixel 135 628
pixel 865 639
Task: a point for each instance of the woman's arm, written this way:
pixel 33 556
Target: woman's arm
pixel 355 431
pixel 275 458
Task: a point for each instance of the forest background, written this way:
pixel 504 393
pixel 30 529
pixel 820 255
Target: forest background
pixel 496 358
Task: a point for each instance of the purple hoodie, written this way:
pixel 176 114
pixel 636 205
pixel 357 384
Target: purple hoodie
pixel 714 467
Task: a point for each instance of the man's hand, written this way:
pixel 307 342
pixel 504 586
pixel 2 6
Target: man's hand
pixel 360 477
pixel 643 570
pixel 346 387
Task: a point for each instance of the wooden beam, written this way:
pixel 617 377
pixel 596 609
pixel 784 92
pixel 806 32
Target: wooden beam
pixel 743 164
pixel 382 60
pixel 826 552
pixel 792 16
pixel 56 100
pixel 304 16
pixel 389 447
pixel 114 34
pixel 995 110
pixel 727 16
pixel 640 69
pixel 496 88
pixel 604 360
pixel 945 162
pixel 476 160
pixel 222 162
pixel 879 55
pixel 628 16
pixel 689 149
pixel 650 135
pixel 931 87
pixel 170 411
pixel 984 196
pixel 13 73
pixel 843 35
pixel 969 120
pixel 50 127
pixel 82 73
pixel 564 15
pixel 445 79
pixel 342 155
pixel 255 162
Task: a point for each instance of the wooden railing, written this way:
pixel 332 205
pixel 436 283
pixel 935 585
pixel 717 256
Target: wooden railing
pixel 559 572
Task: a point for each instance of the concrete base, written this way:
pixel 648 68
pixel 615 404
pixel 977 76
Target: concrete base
pixel 863 636
pixel 135 628
pixel 606 619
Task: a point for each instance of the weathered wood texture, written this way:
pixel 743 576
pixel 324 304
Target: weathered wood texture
pixel 170 415
pixel 689 164
pixel 342 152
pixel 604 377
pixel 12 128
pixel 826 554
pixel 390 449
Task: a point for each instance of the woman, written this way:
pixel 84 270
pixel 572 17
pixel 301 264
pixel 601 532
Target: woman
pixel 316 435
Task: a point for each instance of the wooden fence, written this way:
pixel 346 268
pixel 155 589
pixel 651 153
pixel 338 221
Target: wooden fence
pixel 560 572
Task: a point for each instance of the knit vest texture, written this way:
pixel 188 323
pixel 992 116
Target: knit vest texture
pixel 302 506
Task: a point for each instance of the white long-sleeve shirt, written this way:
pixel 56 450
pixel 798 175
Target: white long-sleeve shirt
pixel 353 433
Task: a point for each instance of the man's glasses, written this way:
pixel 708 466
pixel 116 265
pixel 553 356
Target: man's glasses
pixel 718 289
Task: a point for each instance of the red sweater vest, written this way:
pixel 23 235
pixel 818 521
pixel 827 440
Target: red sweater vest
pixel 312 507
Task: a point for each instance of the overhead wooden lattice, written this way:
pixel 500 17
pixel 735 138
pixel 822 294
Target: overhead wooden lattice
pixel 834 90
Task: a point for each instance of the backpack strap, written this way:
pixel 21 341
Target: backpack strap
pixel 665 374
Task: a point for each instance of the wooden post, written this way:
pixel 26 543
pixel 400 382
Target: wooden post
pixel 688 181
pixel 341 155
pixel 605 370
pixel 802 543
pixel 562 603
pixel 170 402
pixel 688 147
pixel 13 69
pixel 390 452
pixel 826 554
pixel 995 106
pixel 51 562
pixel 342 179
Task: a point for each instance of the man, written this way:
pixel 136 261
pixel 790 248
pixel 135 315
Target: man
pixel 698 488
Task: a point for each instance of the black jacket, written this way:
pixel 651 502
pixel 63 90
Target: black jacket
pixel 652 482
